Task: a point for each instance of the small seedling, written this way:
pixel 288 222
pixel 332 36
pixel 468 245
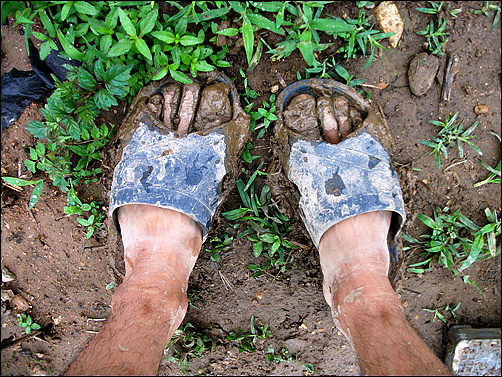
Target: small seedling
pixel 192 296
pixel 26 322
pixel 445 309
pixel 436 8
pixel 450 133
pixel 456 242
pixel 219 244
pixel 187 344
pixel 494 172
pixel 436 38
pixel 247 342
pixel 282 356
pixel 488 9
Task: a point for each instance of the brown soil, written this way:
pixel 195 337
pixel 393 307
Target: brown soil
pixel 65 279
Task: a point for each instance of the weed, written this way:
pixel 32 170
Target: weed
pixel 219 244
pixel 436 8
pixel 435 38
pixel 190 344
pixel 357 38
pixel 282 356
pixel 456 241
pixel 247 342
pixel 488 9
pixel 450 133
pixel 335 71
pixel 267 113
pixel 267 226
pixel 35 194
pixel 26 322
pixel 192 296
pixel 445 309
pixel 494 172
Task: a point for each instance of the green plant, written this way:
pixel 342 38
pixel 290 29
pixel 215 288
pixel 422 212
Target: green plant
pixel 456 242
pixel 267 226
pixel 489 8
pixel 26 322
pixel 435 38
pixel 35 194
pixel 219 244
pixel 445 309
pixel 360 34
pixel 494 172
pixel 450 133
pixel 192 296
pixel 436 8
pixel 188 343
pixel 247 342
pixel 282 356
pixel 75 206
pixel 335 71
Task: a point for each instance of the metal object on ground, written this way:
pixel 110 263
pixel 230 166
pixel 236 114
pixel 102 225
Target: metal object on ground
pixel 473 352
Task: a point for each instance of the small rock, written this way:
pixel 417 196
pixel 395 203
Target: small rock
pixel 423 68
pixel 7 295
pixel 20 303
pixel 7 275
pixel 303 326
pixel 389 21
pixel 274 89
pixel 481 109
pixel 259 295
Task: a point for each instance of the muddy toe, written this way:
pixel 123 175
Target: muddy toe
pixel 181 147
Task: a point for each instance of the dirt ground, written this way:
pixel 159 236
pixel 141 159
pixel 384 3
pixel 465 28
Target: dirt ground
pixel 64 279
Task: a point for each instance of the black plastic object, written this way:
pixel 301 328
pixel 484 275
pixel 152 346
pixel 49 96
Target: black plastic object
pixel 20 88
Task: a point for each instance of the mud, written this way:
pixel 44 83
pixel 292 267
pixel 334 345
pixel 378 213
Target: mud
pixel 214 108
pixel 65 279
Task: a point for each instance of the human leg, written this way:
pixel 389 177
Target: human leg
pixel 151 302
pixel 355 261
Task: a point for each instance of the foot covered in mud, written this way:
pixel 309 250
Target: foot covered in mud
pixel 335 148
pixel 181 147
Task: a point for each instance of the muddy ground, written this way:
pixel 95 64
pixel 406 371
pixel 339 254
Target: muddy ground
pixel 65 282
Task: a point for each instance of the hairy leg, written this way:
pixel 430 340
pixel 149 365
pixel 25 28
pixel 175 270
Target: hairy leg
pixel 355 263
pixel 160 250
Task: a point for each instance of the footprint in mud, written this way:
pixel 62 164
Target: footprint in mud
pixel 329 118
pixel 176 108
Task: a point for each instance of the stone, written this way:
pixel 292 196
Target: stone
pixel 421 73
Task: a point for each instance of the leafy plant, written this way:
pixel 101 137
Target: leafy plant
pixel 456 242
pixel 219 244
pixel 450 133
pixel 445 309
pixel 188 343
pixel 35 194
pixel 436 8
pixel 359 35
pixel 494 172
pixel 488 9
pixel 247 342
pixel 267 226
pixel 436 38
pixel 335 71
pixel 278 357
pixel 26 322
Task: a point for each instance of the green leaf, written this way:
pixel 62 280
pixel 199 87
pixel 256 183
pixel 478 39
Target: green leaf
pixel 121 47
pixel 104 99
pixel 165 36
pixel 66 10
pixel 83 221
pixel 161 74
pixel 257 249
pixel 229 32
pixel 20 182
pixel 86 79
pixel 85 8
pixel 90 232
pixel 306 48
pixel 188 40
pixel 203 66
pixel 47 23
pixel 143 48
pixel 332 26
pixel 148 23
pixel 180 77
pixel 35 326
pixel 248 38
pixel 476 249
pixel 126 23
pixel 35 194
pixel 235 214
pixel 30 165
pixel 40 148
pixel 264 23
pixel 68 48
pixel 427 220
